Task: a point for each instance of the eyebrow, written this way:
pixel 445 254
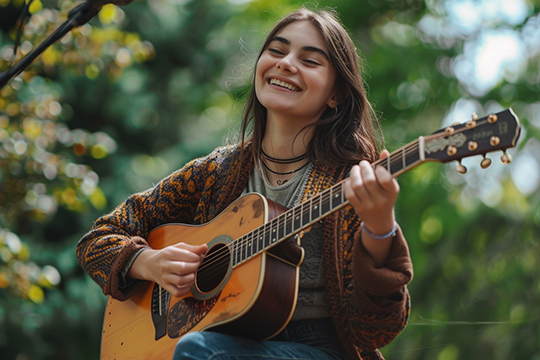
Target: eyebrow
pixel 305 48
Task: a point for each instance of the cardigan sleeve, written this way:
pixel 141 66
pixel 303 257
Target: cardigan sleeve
pixel 379 305
pixel 116 237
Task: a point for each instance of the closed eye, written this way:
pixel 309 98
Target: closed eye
pixel 311 62
pixel 276 51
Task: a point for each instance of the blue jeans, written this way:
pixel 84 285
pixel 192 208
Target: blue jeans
pixel 300 340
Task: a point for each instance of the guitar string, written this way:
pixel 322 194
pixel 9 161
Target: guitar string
pixel 265 230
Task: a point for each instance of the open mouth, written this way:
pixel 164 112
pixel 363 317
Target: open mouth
pixel 283 84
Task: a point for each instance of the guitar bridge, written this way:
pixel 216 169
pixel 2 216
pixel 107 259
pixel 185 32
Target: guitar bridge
pixel 160 308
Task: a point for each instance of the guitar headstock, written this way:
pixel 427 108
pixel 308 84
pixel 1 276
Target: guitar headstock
pixel 475 137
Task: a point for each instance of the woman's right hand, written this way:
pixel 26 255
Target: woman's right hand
pixel 173 267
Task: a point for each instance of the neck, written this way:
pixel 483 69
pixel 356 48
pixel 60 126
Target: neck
pixel 285 138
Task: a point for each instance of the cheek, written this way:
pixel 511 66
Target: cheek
pixel 263 65
pixel 259 73
pixel 258 82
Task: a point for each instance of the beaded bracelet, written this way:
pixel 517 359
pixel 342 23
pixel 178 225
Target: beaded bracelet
pixel 392 233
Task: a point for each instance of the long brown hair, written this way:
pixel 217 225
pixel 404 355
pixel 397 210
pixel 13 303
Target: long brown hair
pixel 342 136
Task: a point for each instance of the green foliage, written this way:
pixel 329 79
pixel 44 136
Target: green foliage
pixel 157 83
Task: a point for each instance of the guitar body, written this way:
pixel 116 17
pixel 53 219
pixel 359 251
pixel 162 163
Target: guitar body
pixel 254 299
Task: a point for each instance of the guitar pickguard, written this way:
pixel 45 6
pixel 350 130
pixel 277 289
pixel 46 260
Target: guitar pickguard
pixel 187 313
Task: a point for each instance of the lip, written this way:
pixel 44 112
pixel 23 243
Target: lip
pixel 297 88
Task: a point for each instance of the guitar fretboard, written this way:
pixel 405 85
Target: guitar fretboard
pixel 494 132
pixel 317 207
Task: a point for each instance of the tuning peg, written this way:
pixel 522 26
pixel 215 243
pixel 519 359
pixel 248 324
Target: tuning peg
pixel 492 118
pixel 485 163
pixel 472 124
pixel 460 169
pixel 506 158
pixel 494 140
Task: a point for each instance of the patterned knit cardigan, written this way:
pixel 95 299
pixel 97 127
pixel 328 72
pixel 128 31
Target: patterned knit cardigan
pixel 370 306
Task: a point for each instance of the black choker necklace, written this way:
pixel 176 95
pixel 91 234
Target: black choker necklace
pixel 283 161
pixel 281 182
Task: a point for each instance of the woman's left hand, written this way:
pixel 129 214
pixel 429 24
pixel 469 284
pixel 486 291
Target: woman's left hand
pixel 373 193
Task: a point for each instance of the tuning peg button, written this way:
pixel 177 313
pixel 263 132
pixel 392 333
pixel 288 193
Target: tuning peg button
pixel 492 118
pixel 473 145
pixel 506 158
pixel 451 150
pixel 485 163
pixel 472 124
pixel 460 169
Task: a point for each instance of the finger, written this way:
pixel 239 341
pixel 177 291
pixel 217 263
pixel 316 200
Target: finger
pixel 386 180
pixel 180 253
pixel 369 180
pixel 184 281
pixel 354 181
pixel 183 268
pixel 197 249
pixel 384 154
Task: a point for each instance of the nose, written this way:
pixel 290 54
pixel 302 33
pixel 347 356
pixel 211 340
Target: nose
pixel 287 64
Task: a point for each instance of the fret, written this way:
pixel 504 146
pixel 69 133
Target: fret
pixel 316 209
pixel 403 158
pixel 412 158
pixel 289 222
pixel 325 201
pixel 255 244
pixel 395 167
pixel 260 239
pixel 297 219
pixel 243 252
pixel 306 213
pixel 249 249
pixel 266 235
pixel 273 231
pixel 281 227
pixel 388 164
pixel 336 199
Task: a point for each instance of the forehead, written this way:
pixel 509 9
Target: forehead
pixel 302 33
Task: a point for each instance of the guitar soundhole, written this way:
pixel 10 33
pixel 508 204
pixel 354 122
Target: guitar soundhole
pixel 214 268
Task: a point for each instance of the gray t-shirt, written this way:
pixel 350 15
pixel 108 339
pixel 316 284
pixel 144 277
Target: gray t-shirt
pixel 312 300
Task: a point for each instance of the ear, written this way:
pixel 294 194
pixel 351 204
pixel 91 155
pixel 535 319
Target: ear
pixel 332 101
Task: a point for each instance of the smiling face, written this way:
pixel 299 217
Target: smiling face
pixel 294 78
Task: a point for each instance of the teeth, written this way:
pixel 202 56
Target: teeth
pixel 283 84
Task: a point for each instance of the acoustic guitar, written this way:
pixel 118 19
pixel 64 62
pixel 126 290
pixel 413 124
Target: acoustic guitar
pixel 247 284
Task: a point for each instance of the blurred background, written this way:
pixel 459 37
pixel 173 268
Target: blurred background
pixel 141 89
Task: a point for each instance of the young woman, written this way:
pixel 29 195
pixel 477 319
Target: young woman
pixel 307 125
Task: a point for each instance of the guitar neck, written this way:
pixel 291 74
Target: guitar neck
pixel 478 136
pixel 302 216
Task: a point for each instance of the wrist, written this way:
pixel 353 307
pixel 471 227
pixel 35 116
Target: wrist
pixel 139 268
pixel 380 235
